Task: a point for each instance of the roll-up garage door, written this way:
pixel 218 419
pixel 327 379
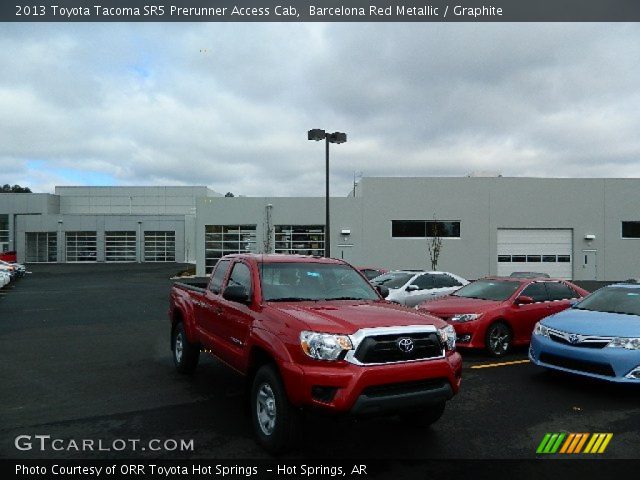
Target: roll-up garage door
pixel 536 250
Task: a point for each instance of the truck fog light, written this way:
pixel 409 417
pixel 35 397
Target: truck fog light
pixel 323 394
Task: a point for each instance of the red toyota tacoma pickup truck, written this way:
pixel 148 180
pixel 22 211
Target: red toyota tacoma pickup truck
pixel 312 332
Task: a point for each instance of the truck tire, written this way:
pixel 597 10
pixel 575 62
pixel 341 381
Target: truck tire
pixel 185 353
pixel 276 422
pixel 424 417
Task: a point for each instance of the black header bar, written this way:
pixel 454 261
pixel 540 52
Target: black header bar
pixel 320 11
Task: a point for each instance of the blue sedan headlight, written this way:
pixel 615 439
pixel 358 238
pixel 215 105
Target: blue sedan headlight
pixel 541 330
pixel 623 342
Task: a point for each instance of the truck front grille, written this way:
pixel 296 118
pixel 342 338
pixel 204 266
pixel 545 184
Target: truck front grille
pixel 399 348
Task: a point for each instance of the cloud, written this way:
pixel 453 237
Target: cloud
pixel 228 105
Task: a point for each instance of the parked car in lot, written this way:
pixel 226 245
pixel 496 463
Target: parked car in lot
pixel 411 287
pixel 5 278
pixel 498 313
pixel 598 337
pixel 371 272
pixel 10 256
pixel 529 275
pixel 18 269
pixel 311 333
pixel 9 270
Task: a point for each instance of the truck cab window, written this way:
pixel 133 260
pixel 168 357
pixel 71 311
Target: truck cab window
pixel 218 276
pixel 241 275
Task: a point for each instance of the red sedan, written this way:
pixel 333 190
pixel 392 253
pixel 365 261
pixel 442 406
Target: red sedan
pixel 497 313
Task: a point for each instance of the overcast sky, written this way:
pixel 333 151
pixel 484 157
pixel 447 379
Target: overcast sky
pixel 229 105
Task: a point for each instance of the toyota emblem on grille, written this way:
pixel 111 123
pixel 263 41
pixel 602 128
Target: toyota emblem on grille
pixel 573 338
pixel 405 345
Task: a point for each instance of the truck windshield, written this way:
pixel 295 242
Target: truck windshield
pixel 498 290
pixel 313 281
pixel 613 300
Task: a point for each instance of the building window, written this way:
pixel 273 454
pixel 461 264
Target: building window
pixel 81 246
pixel 4 233
pixel 120 246
pixel 221 240
pixel 41 247
pixel 299 239
pixel 533 258
pixel 630 229
pixel 159 246
pixel 425 228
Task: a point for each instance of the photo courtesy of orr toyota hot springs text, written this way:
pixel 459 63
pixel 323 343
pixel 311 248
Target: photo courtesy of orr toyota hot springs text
pixel 308 240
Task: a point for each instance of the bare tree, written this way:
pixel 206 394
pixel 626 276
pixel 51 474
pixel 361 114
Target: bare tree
pixel 434 243
pixel 267 247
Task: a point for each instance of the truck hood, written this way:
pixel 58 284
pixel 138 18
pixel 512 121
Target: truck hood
pixel 347 317
pixel 451 304
pixel 585 322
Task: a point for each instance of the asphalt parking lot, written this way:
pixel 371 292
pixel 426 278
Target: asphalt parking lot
pixel 85 354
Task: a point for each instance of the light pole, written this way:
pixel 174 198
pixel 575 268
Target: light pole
pixel 335 137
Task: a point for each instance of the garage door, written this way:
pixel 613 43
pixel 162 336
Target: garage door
pixel 160 246
pixel 536 250
pixel 81 246
pixel 120 246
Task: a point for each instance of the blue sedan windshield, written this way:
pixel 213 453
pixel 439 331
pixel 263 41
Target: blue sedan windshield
pixel 613 300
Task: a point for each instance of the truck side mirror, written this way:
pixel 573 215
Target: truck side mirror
pixel 236 293
pixel 382 290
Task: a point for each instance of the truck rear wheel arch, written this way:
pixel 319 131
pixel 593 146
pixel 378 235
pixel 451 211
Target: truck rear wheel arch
pixel 185 353
pixel 179 317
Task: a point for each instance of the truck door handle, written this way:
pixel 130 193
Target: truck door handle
pixel 217 310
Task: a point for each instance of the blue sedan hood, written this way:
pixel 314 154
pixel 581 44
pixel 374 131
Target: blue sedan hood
pixel 586 322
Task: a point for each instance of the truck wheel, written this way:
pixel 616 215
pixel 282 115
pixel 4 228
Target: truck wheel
pixel 276 422
pixel 424 417
pixel 498 339
pixel 185 353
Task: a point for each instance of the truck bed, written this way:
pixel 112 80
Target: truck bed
pixel 195 284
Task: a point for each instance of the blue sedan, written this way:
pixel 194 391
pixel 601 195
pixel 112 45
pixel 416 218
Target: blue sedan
pixel 598 337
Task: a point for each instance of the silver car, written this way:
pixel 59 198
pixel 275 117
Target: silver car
pixel 411 287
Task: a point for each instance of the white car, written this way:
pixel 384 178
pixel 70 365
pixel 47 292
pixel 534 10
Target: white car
pixel 18 268
pixel 412 287
pixel 5 278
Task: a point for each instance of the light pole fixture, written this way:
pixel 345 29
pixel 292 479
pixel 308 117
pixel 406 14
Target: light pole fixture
pixel 335 137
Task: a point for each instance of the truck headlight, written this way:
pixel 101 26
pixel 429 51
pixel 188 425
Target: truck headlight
pixel 465 317
pixel 541 330
pixel 623 342
pixel 325 346
pixel 448 337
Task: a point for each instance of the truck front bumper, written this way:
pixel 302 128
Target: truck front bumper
pixel 363 390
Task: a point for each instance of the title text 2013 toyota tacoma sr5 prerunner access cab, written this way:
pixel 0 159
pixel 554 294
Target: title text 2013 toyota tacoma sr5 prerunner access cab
pixel 312 332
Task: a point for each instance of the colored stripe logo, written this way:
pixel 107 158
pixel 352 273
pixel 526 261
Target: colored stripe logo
pixel 573 443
